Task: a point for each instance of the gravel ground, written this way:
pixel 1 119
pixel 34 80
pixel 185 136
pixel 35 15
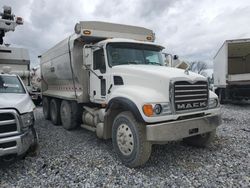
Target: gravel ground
pixel 78 158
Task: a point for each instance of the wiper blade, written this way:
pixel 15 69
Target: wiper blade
pixel 131 62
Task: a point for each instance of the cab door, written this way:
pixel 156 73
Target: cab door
pixel 98 77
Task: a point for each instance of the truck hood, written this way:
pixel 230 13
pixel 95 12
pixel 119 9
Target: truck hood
pixel 155 72
pixel 150 82
pixel 20 102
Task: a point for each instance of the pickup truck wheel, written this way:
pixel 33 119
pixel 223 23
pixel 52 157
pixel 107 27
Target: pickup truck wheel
pixel 38 101
pixel 201 140
pixel 55 111
pixel 46 109
pixel 69 114
pixel 34 148
pixel 129 140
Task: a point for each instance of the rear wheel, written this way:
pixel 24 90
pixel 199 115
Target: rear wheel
pixel 129 140
pixel 201 140
pixel 46 108
pixel 69 114
pixel 55 111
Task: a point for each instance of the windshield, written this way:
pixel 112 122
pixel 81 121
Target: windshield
pixel 10 84
pixel 131 53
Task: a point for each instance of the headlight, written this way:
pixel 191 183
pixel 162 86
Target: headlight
pixel 159 109
pixel 213 103
pixel 27 119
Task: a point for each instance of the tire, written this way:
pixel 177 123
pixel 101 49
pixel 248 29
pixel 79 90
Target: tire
pixel 202 140
pixel 38 101
pixel 46 108
pixel 55 111
pixel 69 114
pixel 129 140
pixel 34 148
pixel 222 96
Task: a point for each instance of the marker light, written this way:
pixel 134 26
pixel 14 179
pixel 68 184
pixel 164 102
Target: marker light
pixel 86 32
pixel 149 38
pixel 148 110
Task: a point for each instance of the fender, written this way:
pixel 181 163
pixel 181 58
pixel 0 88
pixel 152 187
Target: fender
pixel 126 104
pixel 123 104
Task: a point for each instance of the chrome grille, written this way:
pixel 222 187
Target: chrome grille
pixel 8 123
pixel 190 96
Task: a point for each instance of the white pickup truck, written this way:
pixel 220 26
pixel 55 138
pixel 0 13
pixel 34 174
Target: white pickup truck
pixel 17 133
pixel 111 79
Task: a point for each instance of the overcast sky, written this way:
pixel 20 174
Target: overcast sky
pixel 190 28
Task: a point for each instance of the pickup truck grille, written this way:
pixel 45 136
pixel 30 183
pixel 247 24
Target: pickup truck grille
pixel 8 123
pixel 190 96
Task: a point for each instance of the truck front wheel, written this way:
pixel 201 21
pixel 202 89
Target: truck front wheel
pixel 129 140
pixel 201 140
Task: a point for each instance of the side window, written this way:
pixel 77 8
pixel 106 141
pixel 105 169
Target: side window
pixel 99 61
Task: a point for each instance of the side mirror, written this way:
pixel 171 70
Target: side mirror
pixel 175 57
pixel 87 56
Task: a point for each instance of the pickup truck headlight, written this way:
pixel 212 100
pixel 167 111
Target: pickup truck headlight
pixel 27 120
pixel 158 109
pixel 213 103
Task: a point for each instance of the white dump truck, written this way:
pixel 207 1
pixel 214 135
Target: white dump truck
pixel 111 79
pixel 17 132
pixel 232 71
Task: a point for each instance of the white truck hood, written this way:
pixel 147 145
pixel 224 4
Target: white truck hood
pixel 150 82
pixel 154 71
pixel 20 102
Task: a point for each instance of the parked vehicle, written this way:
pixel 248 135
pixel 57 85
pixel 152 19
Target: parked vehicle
pixel 232 71
pixel 17 133
pixel 111 79
pixel 16 58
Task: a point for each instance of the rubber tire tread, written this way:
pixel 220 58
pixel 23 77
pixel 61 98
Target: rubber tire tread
pixel 143 149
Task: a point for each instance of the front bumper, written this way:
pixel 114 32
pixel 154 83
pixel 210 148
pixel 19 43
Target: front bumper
pixel 17 144
pixel 176 130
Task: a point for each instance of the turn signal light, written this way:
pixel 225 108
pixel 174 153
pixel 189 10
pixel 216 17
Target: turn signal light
pixel 148 110
pixel 87 32
pixel 149 38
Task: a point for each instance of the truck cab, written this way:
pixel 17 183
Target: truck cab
pixel 114 78
pixel 17 133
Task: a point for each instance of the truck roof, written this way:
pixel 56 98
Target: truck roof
pixel 232 41
pixel 102 30
pixel 1 74
pixel 11 55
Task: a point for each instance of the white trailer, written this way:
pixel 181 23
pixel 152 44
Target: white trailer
pixel 112 79
pixel 232 70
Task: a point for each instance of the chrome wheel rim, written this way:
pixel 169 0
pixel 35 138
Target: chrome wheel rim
pixel 125 139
